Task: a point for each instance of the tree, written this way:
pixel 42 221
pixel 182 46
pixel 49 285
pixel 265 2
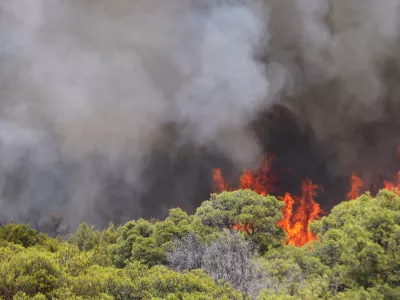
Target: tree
pixel 20 234
pixel 229 258
pixel 360 240
pixel 247 211
pixel 356 255
pixel 186 253
pixel 29 271
pixel 146 242
pixel 85 237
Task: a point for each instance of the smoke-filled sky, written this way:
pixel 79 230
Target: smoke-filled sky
pixel 113 110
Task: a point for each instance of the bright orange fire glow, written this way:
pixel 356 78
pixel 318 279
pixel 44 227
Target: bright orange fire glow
pixel 307 212
pixel 388 185
pixel 219 182
pixel 261 181
pixel 243 228
pixel 395 186
pixel 356 184
pixel 297 225
pixel 298 212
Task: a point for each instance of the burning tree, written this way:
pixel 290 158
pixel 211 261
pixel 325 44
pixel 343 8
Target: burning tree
pixel 298 212
pixel 246 211
pixel 297 224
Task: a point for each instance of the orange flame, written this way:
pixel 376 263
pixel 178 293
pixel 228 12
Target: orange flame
pixel 388 185
pixel 298 212
pixel 356 184
pixel 286 223
pixel 394 186
pixel 219 182
pixel 261 181
pixel 295 223
pixel 308 211
pixel 243 228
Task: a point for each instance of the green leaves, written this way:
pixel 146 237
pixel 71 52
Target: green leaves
pixel 20 234
pixel 361 239
pixel 30 271
pixel 35 273
pixel 257 215
pixel 357 255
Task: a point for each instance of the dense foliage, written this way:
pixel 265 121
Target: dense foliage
pixel 231 248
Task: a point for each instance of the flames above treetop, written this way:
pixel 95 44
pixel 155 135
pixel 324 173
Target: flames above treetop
pixel 298 211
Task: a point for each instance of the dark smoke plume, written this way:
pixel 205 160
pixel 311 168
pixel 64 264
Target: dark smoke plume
pixel 113 110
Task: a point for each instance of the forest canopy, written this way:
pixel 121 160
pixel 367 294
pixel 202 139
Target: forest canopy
pixel 231 248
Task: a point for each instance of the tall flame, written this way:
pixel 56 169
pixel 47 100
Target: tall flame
pixel 393 186
pixel 297 225
pixel 262 181
pixel 219 182
pixel 298 212
pixel 356 184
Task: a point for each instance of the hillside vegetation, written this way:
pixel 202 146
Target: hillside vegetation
pixel 231 248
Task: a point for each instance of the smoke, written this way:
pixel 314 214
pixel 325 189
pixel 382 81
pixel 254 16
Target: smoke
pixel 92 89
pixel 112 110
pixel 339 58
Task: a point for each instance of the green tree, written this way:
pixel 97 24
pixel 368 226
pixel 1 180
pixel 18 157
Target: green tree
pixel 360 241
pixel 248 211
pixel 20 234
pixel 86 238
pixel 29 271
pixel 148 242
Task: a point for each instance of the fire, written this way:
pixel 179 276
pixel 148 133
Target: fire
pixel 388 185
pixel 356 185
pixel 395 186
pixel 219 182
pixel 307 212
pixel 243 228
pixel 296 224
pixel 262 181
pixel 298 212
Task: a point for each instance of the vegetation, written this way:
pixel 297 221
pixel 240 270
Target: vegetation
pixel 231 248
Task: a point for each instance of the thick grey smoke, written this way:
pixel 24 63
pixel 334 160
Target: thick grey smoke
pixel 340 60
pixel 88 86
pixel 91 89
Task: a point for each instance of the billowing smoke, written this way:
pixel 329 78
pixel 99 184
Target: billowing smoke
pixel 90 89
pixel 341 62
pixel 113 110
